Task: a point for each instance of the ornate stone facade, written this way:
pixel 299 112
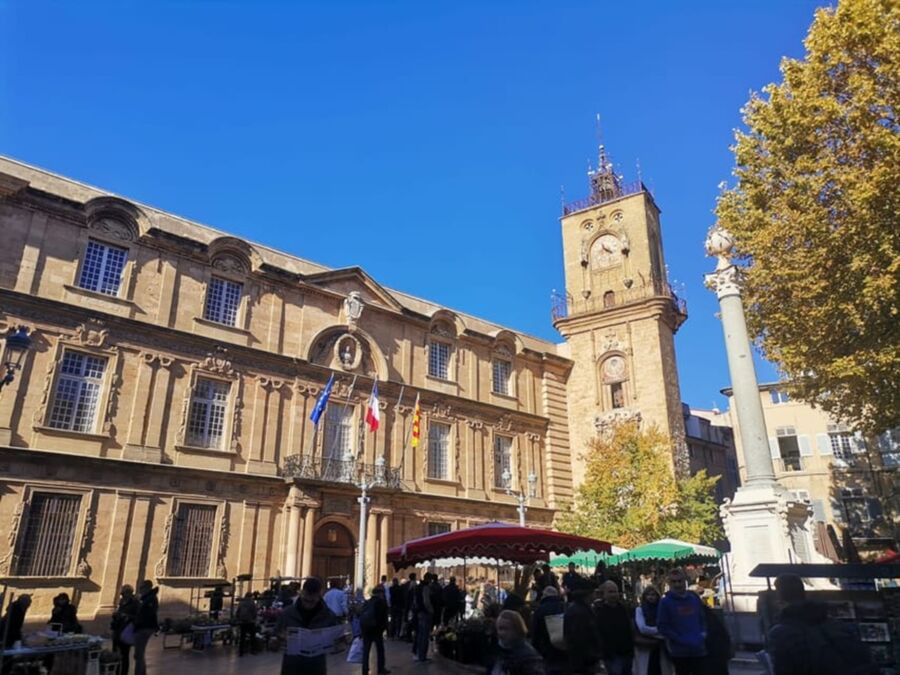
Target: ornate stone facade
pixel 149 458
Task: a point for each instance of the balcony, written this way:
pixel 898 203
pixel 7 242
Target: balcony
pixel 342 471
pixel 564 306
pixel 602 197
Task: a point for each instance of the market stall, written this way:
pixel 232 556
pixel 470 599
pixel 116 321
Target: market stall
pixel 70 654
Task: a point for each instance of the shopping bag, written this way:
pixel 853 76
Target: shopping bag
pixel 126 637
pixel 355 655
pixel 554 624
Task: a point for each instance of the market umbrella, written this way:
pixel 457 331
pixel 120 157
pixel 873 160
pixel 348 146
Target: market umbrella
pixel 673 550
pixel 493 540
pixel 584 558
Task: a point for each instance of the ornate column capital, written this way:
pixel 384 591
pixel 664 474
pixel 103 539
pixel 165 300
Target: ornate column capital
pixel 726 280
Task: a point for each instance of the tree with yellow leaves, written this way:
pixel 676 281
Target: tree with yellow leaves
pixel 815 215
pixel 630 497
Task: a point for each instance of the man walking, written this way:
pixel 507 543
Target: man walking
pixel 682 623
pixel 396 607
pixel 336 599
pixel 424 617
pixel 373 621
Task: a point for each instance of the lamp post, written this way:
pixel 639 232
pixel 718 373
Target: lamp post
pixel 365 485
pixel 521 497
pixel 18 343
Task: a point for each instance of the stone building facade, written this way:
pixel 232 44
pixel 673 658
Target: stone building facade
pixel 849 481
pixel 160 428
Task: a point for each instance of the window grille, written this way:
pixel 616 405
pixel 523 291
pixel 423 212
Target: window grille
pixel 841 445
pixel 338 431
pixel 502 373
pixel 438 442
pixel 46 548
pixel 77 392
pixel 439 360
pixel 206 424
pixel 223 299
pixel 101 270
pixel 438 528
pixel 192 540
pixel 502 452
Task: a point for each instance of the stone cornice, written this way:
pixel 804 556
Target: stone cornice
pixel 654 307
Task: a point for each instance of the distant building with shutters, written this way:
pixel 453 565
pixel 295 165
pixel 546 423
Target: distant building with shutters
pixel 848 480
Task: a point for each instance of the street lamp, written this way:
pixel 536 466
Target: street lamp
pixel 364 499
pixel 521 497
pixel 18 344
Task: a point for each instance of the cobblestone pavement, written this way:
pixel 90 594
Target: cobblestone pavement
pixel 225 661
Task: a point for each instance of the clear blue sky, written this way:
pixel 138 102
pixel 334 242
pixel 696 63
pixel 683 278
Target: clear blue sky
pixel 425 142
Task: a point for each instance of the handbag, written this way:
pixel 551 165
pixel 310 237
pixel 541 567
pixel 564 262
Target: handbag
pixel 554 624
pixel 126 637
pixel 355 654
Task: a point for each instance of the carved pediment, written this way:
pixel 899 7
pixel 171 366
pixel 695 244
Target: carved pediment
pixel 355 280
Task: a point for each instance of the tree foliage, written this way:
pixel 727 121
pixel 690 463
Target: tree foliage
pixel 814 215
pixel 630 497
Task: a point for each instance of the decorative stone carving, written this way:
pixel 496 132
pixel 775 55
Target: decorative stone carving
pixel 225 262
pixel 221 570
pixel 161 564
pixel 217 362
pixel 605 422
pixel 533 437
pixel 91 333
pixel 442 411
pixel 613 369
pixel 726 280
pixel 353 309
pixel 504 351
pixel 112 228
pixel 610 342
pixel 7 562
pixel 477 425
pixel 112 403
pixel 442 330
pixel 348 352
pixel 83 568
pixel 504 424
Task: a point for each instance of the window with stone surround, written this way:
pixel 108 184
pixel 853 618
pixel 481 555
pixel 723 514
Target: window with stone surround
pixel 502 372
pixel 102 267
pixel 338 431
pixel 223 300
pixel 439 359
pixel 789 448
pixel 45 548
pixel 438 528
pixel 190 546
pixel 206 423
pixel 438 450
pixel 76 396
pixel 502 459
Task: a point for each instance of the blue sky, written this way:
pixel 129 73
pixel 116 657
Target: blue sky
pixel 425 142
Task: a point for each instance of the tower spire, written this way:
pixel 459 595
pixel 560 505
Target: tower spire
pixel 605 184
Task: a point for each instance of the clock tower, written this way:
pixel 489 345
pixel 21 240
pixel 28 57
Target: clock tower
pixel 618 315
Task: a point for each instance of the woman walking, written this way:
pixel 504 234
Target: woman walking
pixel 515 655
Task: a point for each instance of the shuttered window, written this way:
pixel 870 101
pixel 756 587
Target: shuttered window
pixel 192 540
pixel 46 545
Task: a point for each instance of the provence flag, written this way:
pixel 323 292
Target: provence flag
pixel 417 418
pixel 322 401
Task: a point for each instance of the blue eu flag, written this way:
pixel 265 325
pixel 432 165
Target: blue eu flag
pixel 322 401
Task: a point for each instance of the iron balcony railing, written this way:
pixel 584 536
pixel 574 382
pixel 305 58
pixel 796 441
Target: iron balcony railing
pixel 597 198
pixel 342 471
pixel 564 305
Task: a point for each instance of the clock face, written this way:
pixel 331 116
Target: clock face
pixel 606 250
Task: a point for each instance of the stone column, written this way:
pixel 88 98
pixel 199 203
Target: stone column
pixel 385 544
pixel 309 525
pixel 371 550
pixel 764 522
pixel 293 533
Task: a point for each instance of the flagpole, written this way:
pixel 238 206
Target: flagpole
pixel 402 423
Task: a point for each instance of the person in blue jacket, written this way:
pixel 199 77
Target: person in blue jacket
pixel 682 622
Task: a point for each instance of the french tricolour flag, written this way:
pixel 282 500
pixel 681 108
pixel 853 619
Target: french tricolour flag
pixel 373 414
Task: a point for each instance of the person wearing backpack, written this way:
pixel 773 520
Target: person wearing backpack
pixel 804 641
pixel 373 621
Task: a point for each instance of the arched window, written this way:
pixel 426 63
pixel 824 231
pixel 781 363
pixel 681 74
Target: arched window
pixel 609 299
pixel 613 377
pixel 440 350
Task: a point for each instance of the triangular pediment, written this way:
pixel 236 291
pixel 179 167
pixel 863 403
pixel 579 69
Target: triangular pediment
pixel 349 279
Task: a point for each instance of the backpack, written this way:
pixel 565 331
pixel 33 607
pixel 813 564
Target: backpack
pixel 368 622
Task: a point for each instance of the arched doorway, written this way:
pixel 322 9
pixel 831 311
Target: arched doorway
pixel 333 551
